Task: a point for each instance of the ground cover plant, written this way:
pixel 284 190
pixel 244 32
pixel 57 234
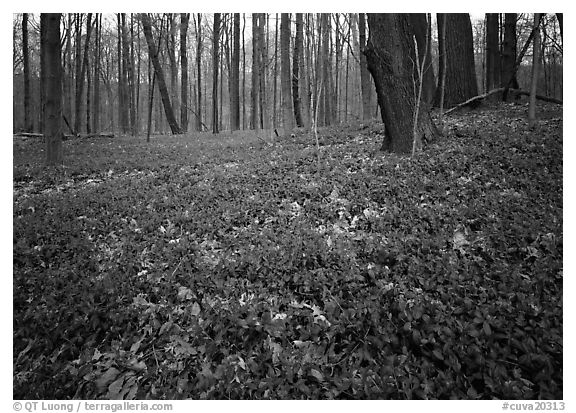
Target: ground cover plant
pixel 239 266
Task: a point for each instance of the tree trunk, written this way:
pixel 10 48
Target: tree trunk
pixel 509 52
pixel 560 18
pixel 80 80
pixel 255 92
pixel 184 18
pixel 215 67
pixel 199 69
pixel 52 69
pixel 96 110
pixel 285 82
pixel 420 26
pixel 171 48
pixel 26 62
pixel 243 73
pixel 461 83
pixel 235 76
pixel 153 53
pixel 366 83
pixel 275 100
pixel 129 65
pixel 390 56
pixel 263 51
pixel 492 52
pixel 122 97
pixel 298 46
pixel 535 72
pixel 78 70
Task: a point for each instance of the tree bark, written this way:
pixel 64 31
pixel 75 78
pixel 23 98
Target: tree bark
pixel 366 84
pixel 420 26
pixel 78 72
pixel 492 51
pixel 96 110
pixel 52 68
pixel 255 92
pixel 171 48
pixel 535 72
pixel 235 76
pixel 461 83
pixel 153 53
pixel 184 18
pixel 560 18
pixel 298 46
pixel 285 82
pixel 83 69
pixel 390 56
pixel 215 69
pixel 199 69
pixel 509 52
pixel 26 62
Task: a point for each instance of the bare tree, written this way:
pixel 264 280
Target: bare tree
pixel 199 47
pixel 461 83
pixel 285 82
pixel 535 71
pixel 390 56
pixel 255 90
pixel 296 64
pixel 492 51
pixel 235 76
pixel 184 19
pixel 50 49
pixel 153 53
pixel 509 51
pixel 26 62
pixel 215 67
pixel 365 79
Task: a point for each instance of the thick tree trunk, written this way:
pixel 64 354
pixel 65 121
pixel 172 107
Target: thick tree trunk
pixel 285 82
pixel 366 83
pixel 420 26
pixel 129 83
pixel 26 62
pixel 298 46
pixel 184 18
pixel 535 72
pixel 263 51
pixel 243 73
pixel 275 75
pixel 492 51
pixel 255 92
pixel 153 53
pixel 461 83
pixel 171 48
pixel 215 70
pixel 96 103
pixel 560 18
pixel 199 69
pixel 509 50
pixel 52 69
pixel 78 73
pixel 83 70
pixel 235 76
pixel 390 56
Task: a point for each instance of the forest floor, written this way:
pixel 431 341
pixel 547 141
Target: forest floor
pixel 235 266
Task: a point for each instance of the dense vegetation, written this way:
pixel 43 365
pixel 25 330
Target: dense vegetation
pixel 204 266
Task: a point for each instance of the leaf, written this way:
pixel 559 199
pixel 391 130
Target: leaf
pixel 317 375
pixel 195 310
pixel 115 389
pixel 105 379
pixel 438 354
pixel 486 328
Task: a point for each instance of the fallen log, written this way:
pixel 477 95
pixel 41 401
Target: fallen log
pixel 477 99
pixel 29 135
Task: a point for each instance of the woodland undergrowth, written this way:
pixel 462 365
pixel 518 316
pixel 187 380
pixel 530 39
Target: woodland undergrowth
pixel 238 266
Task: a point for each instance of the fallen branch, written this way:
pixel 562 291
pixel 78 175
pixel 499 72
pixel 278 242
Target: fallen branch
pixel 29 135
pixel 479 98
